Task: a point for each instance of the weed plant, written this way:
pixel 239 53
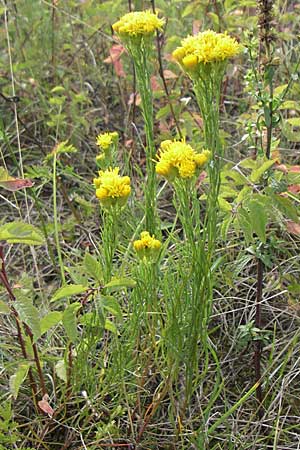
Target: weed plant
pixel 149 227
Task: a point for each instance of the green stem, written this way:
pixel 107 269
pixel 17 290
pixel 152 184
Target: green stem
pixel 56 233
pixel 143 80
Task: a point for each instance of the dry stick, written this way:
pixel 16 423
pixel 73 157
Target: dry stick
pixel 161 73
pixel 6 284
pixel 258 344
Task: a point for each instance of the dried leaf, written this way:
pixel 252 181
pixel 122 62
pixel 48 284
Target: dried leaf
pixel 115 53
pixel 45 407
pixel 295 169
pixel 293 227
pixel 169 75
pixel 294 188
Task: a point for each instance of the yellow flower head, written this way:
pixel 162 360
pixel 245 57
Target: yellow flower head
pixel 147 247
pixel 111 188
pixel 206 47
pixel 105 140
pixel 179 159
pixel 138 23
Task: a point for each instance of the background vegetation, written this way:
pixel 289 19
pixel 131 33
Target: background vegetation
pixel 112 372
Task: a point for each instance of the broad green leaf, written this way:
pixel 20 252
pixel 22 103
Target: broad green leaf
pixel 21 233
pixel 110 326
pixel 68 291
pixel 28 312
pixel 256 174
pixel 50 320
pixel 288 130
pixel 295 121
pixel 290 104
pixel 4 308
pixel 258 218
pixel 61 370
pixel 224 227
pixel 286 207
pixel 17 379
pixel 69 321
pixel 120 283
pixel 248 163
pixel 93 267
pixel 224 204
pixel 109 303
pixel 244 223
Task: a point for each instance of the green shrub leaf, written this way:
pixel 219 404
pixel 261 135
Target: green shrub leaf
pixel 28 312
pixel 69 321
pixel 50 320
pixel 258 219
pixel 93 267
pixel 120 283
pixel 68 291
pixel 21 233
pixel 17 379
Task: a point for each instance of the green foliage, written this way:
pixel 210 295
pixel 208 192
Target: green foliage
pixel 69 321
pixel 21 233
pixel 122 345
pixel 17 379
pixel 28 312
pixel 68 291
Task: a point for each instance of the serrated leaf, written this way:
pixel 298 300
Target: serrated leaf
pixel 93 267
pixel 21 233
pixel 17 379
pixel 120 283
pixel 256 174
pixel 4 308
pixel 61 370
pixel 28 312
pixel 68 291
pixel 69 321
pixel 50 320
pixel 258 219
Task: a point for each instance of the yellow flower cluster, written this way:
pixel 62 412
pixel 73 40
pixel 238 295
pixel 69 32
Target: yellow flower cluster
pixel 105 140
pixel 206 47
pixel 147 247
pixel 111 188
pixel 138 23
pixel 179 159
